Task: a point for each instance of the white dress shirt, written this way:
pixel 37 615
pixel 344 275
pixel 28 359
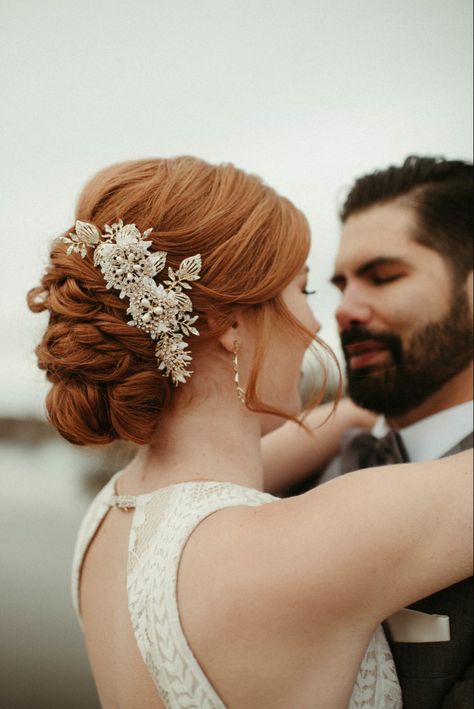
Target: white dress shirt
pixel 435 435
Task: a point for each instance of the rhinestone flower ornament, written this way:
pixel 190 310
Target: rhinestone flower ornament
pixel 162 310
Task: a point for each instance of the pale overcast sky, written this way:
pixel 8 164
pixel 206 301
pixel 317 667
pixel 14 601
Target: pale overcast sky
pixel 308 94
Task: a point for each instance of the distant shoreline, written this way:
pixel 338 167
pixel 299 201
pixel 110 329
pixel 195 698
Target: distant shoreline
pixel 27 430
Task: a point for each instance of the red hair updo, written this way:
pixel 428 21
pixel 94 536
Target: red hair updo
pixel 105 382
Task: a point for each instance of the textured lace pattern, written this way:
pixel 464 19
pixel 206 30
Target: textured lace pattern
pixel 160 531
pixel 377 683
pixel 162 523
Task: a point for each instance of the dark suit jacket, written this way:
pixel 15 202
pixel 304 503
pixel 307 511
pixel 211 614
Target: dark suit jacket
pixel 433 675
pixel 439 675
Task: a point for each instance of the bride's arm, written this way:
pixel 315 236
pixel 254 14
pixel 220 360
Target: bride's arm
pixel 305 581
pixel 369 543
pixel 290 454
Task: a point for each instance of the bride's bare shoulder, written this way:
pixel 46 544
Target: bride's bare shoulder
pixel 361 546
pixel 269 560
pixel 244 602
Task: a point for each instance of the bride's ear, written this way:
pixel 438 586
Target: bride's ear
pixel 231 335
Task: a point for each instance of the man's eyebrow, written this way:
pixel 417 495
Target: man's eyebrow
pixel 304 270
pixel 369 266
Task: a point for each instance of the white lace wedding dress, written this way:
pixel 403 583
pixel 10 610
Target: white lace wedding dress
pixel 162 522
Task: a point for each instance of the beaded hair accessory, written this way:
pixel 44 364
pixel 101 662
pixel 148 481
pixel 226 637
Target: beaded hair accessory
pixel 161 310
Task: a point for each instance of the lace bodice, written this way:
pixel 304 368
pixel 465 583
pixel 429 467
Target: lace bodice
pixel 162 523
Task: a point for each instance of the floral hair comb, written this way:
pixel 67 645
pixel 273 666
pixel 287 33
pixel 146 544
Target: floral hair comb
pixel 162 310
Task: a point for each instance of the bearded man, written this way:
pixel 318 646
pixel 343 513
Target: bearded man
pixel 404 271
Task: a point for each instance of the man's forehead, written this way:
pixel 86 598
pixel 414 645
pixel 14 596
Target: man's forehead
pixel 381 232
pixel 367 249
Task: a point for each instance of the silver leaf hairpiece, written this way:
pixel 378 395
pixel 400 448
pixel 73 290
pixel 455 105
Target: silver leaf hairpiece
pixel 161 310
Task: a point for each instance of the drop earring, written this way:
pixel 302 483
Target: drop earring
pixel 240 391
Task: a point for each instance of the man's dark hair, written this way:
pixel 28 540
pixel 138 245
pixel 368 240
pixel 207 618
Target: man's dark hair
pixel 440 191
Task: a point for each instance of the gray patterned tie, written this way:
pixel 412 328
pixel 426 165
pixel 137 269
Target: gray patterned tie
pixel 362 450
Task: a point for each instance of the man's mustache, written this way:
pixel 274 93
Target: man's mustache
pixel 357 334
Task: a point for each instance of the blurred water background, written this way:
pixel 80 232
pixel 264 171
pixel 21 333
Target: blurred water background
pixel 45 487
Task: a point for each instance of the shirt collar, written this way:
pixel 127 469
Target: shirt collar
pixel 435 435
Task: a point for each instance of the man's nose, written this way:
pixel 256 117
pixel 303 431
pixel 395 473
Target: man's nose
pixel 353 310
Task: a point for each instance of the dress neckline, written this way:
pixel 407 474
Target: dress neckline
pixel 129 502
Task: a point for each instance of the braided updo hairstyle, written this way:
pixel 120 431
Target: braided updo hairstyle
pixel 105 382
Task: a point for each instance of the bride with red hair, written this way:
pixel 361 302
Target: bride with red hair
pixel 194 586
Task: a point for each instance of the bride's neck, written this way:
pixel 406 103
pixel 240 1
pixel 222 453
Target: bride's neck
pixel 216 438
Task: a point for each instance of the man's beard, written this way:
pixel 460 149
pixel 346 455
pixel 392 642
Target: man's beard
pixel 415 371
